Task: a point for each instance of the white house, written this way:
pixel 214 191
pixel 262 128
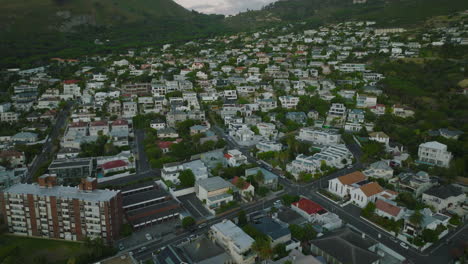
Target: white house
pixel 213 192
pixel 235 158
pixel 366 193
pixel 444 197
pixel 267 130
pixel 379 169
pixel 389 209
pixel 434 153
pixel 320 136
pixel 237 243
pixel 265 146
pixel 289 102
pixel 342 185
pixel 380 137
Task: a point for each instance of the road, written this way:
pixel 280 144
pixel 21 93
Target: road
pixel 47 149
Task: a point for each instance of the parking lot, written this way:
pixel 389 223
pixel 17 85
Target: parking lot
pixel 194 206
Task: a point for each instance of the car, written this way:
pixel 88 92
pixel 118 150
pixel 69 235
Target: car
pixel 201 226
pixel 141 249
pixel 121 247
pixel 193 237
pixel 148 237
pixel 403 245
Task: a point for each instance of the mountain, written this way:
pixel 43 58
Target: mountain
pixel 37 29
pixel 384 12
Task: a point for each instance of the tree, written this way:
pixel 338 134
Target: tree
pixel 240 183
pixel 416 218
pixel 242 218
pixel 188 222
pixel 455 220
pixel 289 199
pixel 262 245
pixel 280 250
pixel 187 178
pixel 368 210
pixel 259 177
pixel 429 235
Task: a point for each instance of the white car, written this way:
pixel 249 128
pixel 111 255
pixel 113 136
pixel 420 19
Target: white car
pixel 148 237
pixel 403 245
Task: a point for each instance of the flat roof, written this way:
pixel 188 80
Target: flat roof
pixel 235 233
pixel 96 195
pixel 70 163
pixel 213 183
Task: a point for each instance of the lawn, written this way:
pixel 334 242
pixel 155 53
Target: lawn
pixel 30 250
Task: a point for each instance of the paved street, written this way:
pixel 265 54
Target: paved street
pixel 47 149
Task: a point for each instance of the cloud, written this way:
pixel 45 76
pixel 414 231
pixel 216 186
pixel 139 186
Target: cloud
pixel 226 7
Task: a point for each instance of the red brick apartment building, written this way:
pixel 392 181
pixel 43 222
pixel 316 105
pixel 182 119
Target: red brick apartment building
pixel 60 212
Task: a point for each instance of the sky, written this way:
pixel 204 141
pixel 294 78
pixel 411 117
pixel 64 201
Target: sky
pixel 225 7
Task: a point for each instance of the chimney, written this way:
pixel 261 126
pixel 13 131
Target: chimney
pixel 88 184
pixel 47 181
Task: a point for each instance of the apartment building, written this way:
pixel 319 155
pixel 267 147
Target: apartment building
pixel 434 153
pixel 60 212
pixel 214 192
pixel 69 169
pixel 235 241
pixel 320 136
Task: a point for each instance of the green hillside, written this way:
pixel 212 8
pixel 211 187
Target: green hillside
pixel 33 30
pixel 385 12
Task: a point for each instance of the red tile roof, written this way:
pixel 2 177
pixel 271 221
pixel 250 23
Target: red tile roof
pixel 165 144
pixel 371 189
pixel 227 156
pixel 70 81
pixel 234 182
pixel 78 124
pixel 308 206
pixel 387 207
pixel 114 164
pixel 120 122
pixel 351 178
pixel 99 123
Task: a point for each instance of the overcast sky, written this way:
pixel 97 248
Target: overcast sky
pixel 226 7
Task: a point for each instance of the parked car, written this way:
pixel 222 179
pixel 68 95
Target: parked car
pixel 202 226
pixel 121 247
pixel 403 245
pixel 148 237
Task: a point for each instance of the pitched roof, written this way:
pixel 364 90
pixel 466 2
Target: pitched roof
pixel 114 164
pixel 236 179
pixel 378 134
pixel 351 178
pixel 387 207
pixel 120 122
pixel 308 206
pixel 371 188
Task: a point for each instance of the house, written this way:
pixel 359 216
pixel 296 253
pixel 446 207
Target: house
pixel 365 193
pixel 380 137
pixel 235 158
pixel 98 127
pixel 365 101
pixel 213 192
pixel 402 111
pixel 353 248
pixel 270 180
pixel 14 158
pixel 430 221
pixel 24 137
pixel 389 209
pixel 276 231
pixel 171 171
pixel 114 166
pixel 167 133
pixel 242 134
pixel 342 185
pixel 379 169
pixel 288 102
pixel 444 197
pixel 11 177
pixel 319 136
pixel 198 129
pixel 315 213
pixel 266 146
pixel 246 191
pixel 158 124
pixel 130 109
pixel 416 182
pixel 267 130
pixel 435 154
pixel 236 242
pixel 298 117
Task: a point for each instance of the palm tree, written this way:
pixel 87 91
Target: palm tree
pixel 416 218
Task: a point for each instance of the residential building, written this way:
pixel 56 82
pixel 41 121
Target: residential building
pixel 444 197
pixel 319 136
pixel 342 186
pixel 59 212
pixel 380 137
pixel 315 213
pixel 235 241
pixel 270 180
pixel 235 158
pixel 379 169
pixel 389 209
pixel 365 193
pixel 353 249
pixel 276 231
pixel 289 102
pixel 266 146
pixel 68 170
pixel 10 177
pixel 434 153
pixel 171 171
pixel 213 192
pixel 246 191
pixel 267 130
